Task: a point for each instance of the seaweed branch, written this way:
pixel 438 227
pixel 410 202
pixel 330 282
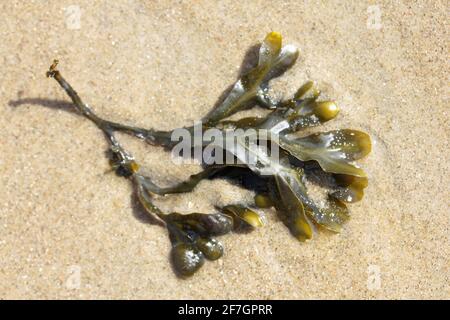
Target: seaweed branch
pixel 282 180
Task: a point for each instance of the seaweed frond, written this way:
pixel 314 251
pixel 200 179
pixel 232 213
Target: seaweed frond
pixel 282 181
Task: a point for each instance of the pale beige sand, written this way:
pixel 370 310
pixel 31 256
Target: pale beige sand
pixel 161 64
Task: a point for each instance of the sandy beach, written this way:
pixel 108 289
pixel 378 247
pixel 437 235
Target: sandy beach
pixel 69 228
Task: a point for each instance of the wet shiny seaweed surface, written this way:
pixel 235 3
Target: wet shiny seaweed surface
pixel 281 185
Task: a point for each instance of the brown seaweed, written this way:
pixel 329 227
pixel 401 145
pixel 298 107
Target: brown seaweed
pixel 281 183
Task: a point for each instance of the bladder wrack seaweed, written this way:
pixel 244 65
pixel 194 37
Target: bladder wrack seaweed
pixel 281 182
